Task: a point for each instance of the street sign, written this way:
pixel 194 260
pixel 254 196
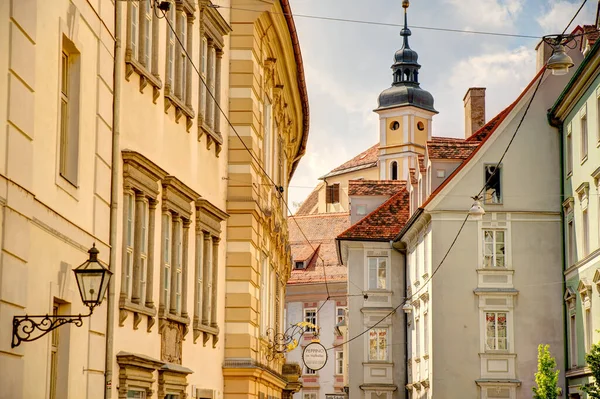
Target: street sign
pixel 314 356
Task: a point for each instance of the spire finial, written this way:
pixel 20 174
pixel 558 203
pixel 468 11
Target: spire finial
pixel 405 32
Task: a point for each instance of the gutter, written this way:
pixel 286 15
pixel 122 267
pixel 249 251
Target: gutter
pixel 403 253
pixel 409 224
pixel 564 258
pixel 114 196
pixel 287 12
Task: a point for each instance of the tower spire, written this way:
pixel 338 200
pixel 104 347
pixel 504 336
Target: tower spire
pixel 405 88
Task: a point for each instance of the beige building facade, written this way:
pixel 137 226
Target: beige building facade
pixel 56 99
pixel 269 112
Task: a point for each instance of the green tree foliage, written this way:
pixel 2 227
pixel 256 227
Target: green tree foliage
pixel 546 377
pixel 593 360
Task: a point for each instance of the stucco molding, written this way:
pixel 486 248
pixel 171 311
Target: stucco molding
pixel 141 174
pixel 596 279
pixel 146 77
pixel 177 196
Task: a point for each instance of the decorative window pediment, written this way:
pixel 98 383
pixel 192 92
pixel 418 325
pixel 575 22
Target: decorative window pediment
pixel 596 279
pixel 141 174
pixel 585 290
pixel 177 196
pixel 136 372
pixel 568 204
pixel 209 217
pixel 583 190
pixel 596 176
pixel 570 297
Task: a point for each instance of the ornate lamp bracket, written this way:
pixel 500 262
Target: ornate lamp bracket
pixel 30 328
pixel 281 343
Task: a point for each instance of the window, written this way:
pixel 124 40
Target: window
pixel 584 137
pixel 136 394
pixel 264 294
pixel 361 210
pixel 177 265
pixel 203 73
pixel 147 29
pixel 267 143
pixel 378 344
pixel 586 232
pixel 417 338
pixel 426 333
pixel 377 273
pixel 573 340
pixel 298 265
pixel 495 331
pixel 69 113
pixel 569 156
pixel 134 15
pixel 135 246
pixel 182 59
pixel 493 193
pixel 167 227
pixel 308 370
pixel 333 193
pixel 394 170
pixel 171 40
pixel 310 316
pixel 339 362
pixel 309 395
pixel 571 242
pixel 494 248
pixel 589 330
pixel 340 314
pixel 54 355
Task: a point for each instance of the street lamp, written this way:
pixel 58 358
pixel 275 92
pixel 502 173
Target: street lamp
pixel 476 210
pixel 559 62
pixel 92 280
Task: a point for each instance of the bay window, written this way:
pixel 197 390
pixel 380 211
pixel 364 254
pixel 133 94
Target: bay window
pixel 378 273
pixel 496 337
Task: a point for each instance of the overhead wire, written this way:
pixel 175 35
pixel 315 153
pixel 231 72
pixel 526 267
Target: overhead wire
pixel 425 283
pixel 278 188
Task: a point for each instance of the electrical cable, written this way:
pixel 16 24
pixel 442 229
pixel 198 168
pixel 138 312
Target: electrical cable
pixel 364 22
pixel 540 79
pixel 278 189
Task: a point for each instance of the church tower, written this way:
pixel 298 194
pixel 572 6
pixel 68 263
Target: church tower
pixel 405 111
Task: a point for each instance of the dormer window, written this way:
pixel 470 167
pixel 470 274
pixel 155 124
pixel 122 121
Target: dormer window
pixel 298 265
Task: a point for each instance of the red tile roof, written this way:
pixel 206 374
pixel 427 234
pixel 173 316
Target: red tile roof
pixel 413 176
pixel 449 148
pixel 375 187
pixel 591 33
pixel 496 121
pixel 384 223
pixel 489 127
pixel 421 159
pixel 321 230
pixel 365 159
pixel 310 203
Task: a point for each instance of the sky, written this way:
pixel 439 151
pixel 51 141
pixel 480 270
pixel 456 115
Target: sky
pixel 348 64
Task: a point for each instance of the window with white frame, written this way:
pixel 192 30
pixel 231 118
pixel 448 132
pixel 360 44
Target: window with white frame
pixel 496 337
pixel 171 43
pixel 378 273
pixel 69 112
pixel 204 77
pixel 569 150
pixel 136 245
pixel 493 187
pixel 586 232
pixel 310 316
pixel 339 362
pixel 494 248
pixel 140 46
pixel 426 333
pixel 378 344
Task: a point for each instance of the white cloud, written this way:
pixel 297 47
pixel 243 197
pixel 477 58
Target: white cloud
pixel 489 14
pixel 559 13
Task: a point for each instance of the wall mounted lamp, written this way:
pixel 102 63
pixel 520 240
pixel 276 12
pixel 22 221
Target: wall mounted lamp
pixel 92 280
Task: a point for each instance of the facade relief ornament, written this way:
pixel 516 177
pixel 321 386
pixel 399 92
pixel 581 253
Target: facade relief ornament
pixel 171 342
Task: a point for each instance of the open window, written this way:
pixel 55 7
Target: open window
pixel 493 189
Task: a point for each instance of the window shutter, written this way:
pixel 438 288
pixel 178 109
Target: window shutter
pixel 336 193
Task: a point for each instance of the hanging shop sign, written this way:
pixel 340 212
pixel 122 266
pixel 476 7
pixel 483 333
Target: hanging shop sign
pixel 314 356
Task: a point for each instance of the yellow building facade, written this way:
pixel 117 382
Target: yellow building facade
pixel 269 112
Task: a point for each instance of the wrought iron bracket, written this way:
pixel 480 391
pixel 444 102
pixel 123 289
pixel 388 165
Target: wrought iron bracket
pixel 281 343
pixel 30 328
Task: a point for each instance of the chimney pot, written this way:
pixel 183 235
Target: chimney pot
pixel 474 101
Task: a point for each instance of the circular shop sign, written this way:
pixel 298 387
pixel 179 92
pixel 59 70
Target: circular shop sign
pixel 314 356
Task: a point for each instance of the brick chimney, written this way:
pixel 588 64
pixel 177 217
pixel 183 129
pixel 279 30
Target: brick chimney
pixel 474 102
pixel 543 51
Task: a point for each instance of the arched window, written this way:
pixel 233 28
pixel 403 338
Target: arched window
pixel 394 170
pixel 407 75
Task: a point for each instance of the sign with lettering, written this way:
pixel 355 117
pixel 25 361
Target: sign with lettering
pixel 314 356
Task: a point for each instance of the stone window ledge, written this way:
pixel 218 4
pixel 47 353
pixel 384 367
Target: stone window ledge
pixel 171 100
pixel 211 137
pixel 138 310
pixel 146 77
pixel 207 332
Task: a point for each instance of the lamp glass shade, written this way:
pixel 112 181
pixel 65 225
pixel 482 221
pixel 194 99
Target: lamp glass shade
pixel 476 209
pixel 559 63
pixel 92 280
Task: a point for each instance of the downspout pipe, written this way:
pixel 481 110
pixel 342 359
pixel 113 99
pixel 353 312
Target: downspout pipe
pixel 114 198
pixel 555 122
pixel 405 326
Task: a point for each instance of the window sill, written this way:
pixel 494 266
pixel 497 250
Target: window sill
pixel 71 189
pixel 133 65
pixel 206 332
pixel 211 137
pixel 171 100
pixel 138 310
